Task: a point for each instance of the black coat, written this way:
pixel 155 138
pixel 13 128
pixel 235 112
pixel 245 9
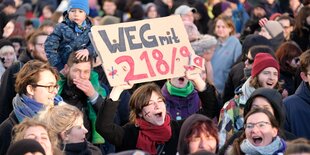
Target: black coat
pixel 6 132
pixel 235 79
pixel 7 90
pixel 84 148
pixel 125 137
pixel 304 40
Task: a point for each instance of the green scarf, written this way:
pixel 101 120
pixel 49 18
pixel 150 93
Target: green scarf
pixel 182 92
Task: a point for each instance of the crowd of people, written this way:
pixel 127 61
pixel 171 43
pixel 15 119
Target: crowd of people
pixel 252 98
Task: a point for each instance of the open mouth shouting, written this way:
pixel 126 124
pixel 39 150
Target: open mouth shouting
pixel 257 140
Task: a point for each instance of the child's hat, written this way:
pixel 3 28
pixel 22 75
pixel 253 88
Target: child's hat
pixel 79 4
pixel 262 61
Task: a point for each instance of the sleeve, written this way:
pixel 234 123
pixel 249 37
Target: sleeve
pixel 237 51
pixel 209 102
pixel 5 137
pixel 226 122
pixel 228 92
pixel 105 125
pixel 52 44
pixel 7 92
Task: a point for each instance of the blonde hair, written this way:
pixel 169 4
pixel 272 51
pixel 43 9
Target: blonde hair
pixel 7 48
pixel 60 118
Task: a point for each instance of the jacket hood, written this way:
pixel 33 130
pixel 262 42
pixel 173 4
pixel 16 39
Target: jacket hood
pixel 274 98
pixel 183 147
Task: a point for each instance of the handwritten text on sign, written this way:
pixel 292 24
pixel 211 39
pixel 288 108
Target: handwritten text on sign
pixel 145 50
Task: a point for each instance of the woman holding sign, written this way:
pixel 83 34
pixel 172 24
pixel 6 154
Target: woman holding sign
pixel 150 129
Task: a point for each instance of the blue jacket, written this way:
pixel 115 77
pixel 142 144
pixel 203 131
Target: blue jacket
pixel 225 55
pixel 298 111
pixel 65 40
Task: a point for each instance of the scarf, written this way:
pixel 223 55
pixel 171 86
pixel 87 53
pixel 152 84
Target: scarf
pixel 272 148
pixel 80 28
pixel 182 92
pixel 23 106
pixel 247 90
pixel 150 135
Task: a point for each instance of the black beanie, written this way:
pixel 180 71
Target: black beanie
pixel 5 42
pixel 24 146
pixel 252 40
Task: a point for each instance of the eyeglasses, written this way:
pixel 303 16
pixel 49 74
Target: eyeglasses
pixel 50 88
pixel 260 125
pixel 250 61
pixel 296 59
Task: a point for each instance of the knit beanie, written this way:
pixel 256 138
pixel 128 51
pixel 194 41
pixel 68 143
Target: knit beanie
pixel 252 40
pixel 79 4
pixel 108 19
pixel 5 42
pixel 184 9
pixel 25 146
pixel 274 28
pixel 220 8
pixel 262 61
pixel 203 43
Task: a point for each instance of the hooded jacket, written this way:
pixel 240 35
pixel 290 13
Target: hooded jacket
pixel 297 108
pixel 183 147
pixel 273 97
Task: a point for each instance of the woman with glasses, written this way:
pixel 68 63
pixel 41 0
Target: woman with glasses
pixel 271 100
pixel 66 122
pixel 36 87
pixel 288 57
pixel 260 136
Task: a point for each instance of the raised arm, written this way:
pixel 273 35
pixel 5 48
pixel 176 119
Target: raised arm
pixel 105 125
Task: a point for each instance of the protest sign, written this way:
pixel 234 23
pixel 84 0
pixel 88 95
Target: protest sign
pixel 146 50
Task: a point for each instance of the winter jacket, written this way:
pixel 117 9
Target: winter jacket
pixel 7 90
pixel 206 102
pixel 181 107
pixel 225 55
pixel 234 80
pixel 231 115
pixel 83 148
pixel 125 137
pixel 65 40
pixel 297 109
pixel 6 132
pixel 304 40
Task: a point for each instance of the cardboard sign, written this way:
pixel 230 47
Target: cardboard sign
pixel 147 50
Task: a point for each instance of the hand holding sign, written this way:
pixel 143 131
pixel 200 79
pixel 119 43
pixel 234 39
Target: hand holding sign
pixel 146 50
